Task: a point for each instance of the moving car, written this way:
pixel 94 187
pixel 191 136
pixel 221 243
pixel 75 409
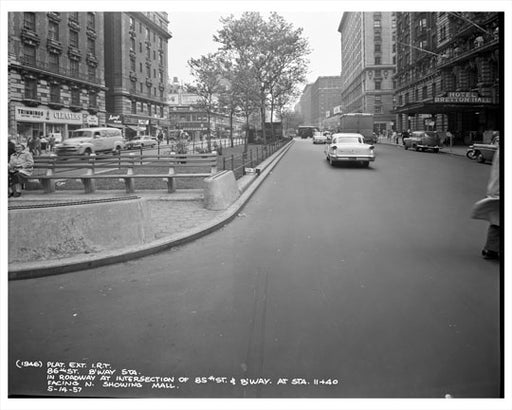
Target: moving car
pixel 423 141
pixel 141 142
pixel 349 147
pixel 319 138
pixel 87 141
pixel 485 152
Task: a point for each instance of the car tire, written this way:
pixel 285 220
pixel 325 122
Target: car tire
pixel 365 164
pixel 116 150
pixel 436 150
pixel 480 158
pixel 406 147
pixel 87 152
pixel 416 148
pixel 331 162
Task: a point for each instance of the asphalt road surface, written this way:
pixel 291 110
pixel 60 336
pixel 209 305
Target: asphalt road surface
pixel 335 282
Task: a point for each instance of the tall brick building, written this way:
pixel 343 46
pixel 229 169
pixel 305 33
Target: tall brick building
pixel 136 71
pixel 368 65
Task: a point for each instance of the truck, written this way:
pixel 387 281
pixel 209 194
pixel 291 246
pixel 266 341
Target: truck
pixel 360 123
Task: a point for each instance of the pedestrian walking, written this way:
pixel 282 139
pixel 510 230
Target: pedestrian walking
pixel 51 142
pixel 405 134
pixel 489 209
pixel 20 168
pixel 11 149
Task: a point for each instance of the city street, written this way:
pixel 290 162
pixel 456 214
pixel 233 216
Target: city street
pixel 335 282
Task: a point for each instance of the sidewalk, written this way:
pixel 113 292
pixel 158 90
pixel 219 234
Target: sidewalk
pixel 174 219
pixel 458 150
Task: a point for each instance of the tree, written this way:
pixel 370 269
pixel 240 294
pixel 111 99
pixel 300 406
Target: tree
pixel 207 72
pixel 272 51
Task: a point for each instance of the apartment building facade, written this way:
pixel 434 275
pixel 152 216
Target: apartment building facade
pixel 448 73
pixel 56 77
pixel 368 65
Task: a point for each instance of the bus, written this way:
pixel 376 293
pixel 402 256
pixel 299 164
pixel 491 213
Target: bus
pixel 306 131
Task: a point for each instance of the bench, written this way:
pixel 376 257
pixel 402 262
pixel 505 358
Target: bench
pixel 133 164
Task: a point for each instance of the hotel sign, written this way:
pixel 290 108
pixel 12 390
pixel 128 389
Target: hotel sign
pixel 41 115
pixel 463 97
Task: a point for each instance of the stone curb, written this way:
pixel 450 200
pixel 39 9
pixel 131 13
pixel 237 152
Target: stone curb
pixel 248 185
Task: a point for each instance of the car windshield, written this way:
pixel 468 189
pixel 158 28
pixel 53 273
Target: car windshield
pixel 80 134
pixel 347 140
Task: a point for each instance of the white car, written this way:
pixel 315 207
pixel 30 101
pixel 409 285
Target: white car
pixel 349 147
pixel 319 138
pixel 143 141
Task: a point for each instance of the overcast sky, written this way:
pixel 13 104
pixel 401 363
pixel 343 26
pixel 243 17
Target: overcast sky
pixel 193 36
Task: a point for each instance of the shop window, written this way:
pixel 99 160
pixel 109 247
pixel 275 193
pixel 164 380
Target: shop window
pixel 29 21
pixel 55 93
pixel 30 88
pixel 73 38
pixel 53 31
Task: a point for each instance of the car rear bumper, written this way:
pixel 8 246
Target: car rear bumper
pixel 340 158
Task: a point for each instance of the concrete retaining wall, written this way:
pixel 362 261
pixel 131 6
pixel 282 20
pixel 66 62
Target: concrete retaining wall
pixel 220 190
pixel 60 231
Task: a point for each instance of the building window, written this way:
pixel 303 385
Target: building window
pixel 160 43
pixel 55 93
pixel 29 21
pixel 378 61
pixel 54 62
pixel 160 76
pixel 148 34
pixel 148 71
pixel 424 92
pixel 133 44
pixel 53 31
pixel 141 87
pixel 132 64
pixel 75 97
pixel 93 100
pixel 31 88
pixel 378 84
pixel 442 33
pixel 132 23
pixel 376 23
pixel 433 89
pixel 161 112
pixel 91 73
pixel 91 46
pixel 134 107
pixel 149 109
pixel 140 47
pixel 377 48
pixel 416 94
pixel 91 20
pixel 73 66
pixel 148 52
pixel 29 55
pixel 74 16
pixel 73 38
pixel 161 59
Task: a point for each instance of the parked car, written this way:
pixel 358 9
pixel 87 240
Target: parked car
pixel 86 141
pixel 423 141
pixel 319 138
pixel 485 152
pixel 349 147
pixel 141 142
